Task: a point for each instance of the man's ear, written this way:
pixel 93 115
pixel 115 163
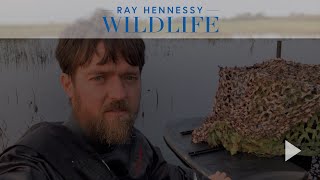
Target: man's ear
pixel 67 85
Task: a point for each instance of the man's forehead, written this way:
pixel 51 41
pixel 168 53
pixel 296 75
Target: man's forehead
pixel 98 57
pixel 101 48
pixel 100 62
pixel 118 64
pixel 100 54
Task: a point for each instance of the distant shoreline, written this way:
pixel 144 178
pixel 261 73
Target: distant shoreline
pixel 295 26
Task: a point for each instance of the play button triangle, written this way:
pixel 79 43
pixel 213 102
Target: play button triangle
pixel 290 150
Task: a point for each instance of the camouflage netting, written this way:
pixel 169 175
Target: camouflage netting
pixel 256 108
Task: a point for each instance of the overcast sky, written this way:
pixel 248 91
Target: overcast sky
pixel 26 11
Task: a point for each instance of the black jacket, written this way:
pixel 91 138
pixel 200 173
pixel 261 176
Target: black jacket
pixel 53 151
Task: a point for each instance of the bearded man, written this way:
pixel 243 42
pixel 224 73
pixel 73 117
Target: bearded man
pixel 102 79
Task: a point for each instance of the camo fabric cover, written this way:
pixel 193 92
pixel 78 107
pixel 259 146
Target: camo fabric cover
pixel 257 107
pixel 314 173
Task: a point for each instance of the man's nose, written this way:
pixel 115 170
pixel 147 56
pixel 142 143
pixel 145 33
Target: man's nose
pixel 116 88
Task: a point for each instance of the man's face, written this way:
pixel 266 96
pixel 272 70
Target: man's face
pixel 105 98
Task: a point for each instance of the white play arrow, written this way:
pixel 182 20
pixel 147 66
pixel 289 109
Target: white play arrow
pixel 290 150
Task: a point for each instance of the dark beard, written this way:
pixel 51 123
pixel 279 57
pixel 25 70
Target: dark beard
pixel 117 132
pixel 110 131
pixel 107 131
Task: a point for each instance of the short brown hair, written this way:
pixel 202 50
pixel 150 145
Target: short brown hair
pixel 73 53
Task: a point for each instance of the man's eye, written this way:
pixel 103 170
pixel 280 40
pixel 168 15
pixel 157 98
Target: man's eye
pixel 98 78
pixel 131 77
